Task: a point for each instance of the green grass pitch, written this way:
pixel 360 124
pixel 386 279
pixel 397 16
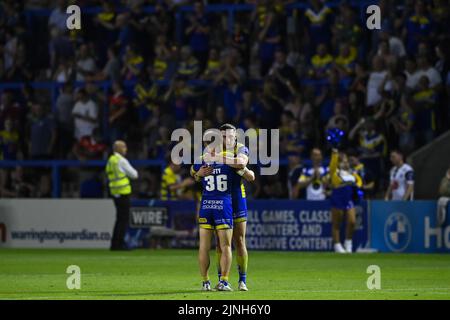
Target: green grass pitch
pixel 173 274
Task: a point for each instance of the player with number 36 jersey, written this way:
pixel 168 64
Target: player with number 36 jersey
pixel 216 208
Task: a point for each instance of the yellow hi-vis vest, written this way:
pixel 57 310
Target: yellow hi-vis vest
pixel 119 184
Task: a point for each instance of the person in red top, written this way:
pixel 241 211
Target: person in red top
pixel 90 147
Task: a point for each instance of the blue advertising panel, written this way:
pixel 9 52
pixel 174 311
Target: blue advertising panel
pixel 293 225
pixel 407 226
pixel 298 225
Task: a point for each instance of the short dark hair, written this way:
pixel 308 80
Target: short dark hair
pixel 397 151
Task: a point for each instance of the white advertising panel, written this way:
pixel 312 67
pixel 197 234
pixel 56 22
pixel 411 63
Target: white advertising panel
pixel 56 223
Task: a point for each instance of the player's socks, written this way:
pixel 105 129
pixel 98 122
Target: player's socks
pixel 206 285
pixel 224 285
pixel 348 244
pixel 242 262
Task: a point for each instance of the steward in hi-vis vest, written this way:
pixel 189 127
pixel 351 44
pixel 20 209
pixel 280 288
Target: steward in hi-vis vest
pixel 119 172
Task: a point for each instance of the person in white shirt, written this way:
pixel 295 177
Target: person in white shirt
pixel 412 74
pixel 58 16
pixel 426 69
pixel 401 186
pixel 376 77
pixel 85 65
pixel 85 114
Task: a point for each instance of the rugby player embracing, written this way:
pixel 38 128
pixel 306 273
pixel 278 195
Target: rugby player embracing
pixel 215 216
pixel 239 161
pixel 236 156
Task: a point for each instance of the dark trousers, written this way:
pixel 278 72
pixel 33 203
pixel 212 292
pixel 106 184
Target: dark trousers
pixel 122 205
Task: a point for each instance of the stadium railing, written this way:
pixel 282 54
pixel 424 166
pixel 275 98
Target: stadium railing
pixel 57 165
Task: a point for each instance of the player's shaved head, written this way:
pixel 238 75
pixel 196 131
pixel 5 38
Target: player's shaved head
pixel 227 126
pixel 120 146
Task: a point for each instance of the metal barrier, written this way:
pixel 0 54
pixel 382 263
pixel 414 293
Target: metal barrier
pixel 56 166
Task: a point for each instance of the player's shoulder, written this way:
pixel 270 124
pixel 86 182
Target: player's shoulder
pixel 407 167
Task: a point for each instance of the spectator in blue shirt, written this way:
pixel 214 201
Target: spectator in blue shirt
pixel 198 33
pixel 418 27
pixel 269 39
pixel 42 133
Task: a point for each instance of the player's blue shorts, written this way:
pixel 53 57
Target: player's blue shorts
pixel 342 198
pixel 216 213
pixel 239 209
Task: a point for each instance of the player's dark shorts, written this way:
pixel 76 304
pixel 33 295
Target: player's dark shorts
pixel 342 198
pixel 216 214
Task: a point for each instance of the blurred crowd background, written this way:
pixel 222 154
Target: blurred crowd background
pixel 139 69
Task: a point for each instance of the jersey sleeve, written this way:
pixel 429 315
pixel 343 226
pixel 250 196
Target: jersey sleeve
pixel 242 150
pixel 409 177
pixel 195 167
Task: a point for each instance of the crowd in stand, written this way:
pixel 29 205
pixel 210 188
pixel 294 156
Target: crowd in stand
pixel 300 69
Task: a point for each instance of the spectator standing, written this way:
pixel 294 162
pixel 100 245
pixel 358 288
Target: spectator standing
pixel 418 27
pixel 318 22
pixel 118 113
pixel 85 114
pixel 371 144
pixel 64 122
pixel 401 185
pixel 85 64
pixel 198 33
pixel 424 101
pixel 171 176
pixel 312 177
pixel 188 66
pixel 9 141
pixel 111 70
pixel 42 133
pixel 376 77
pixel 268 37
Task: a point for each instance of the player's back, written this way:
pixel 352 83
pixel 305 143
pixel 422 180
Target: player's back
pixel 216 205
pixel 220 183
